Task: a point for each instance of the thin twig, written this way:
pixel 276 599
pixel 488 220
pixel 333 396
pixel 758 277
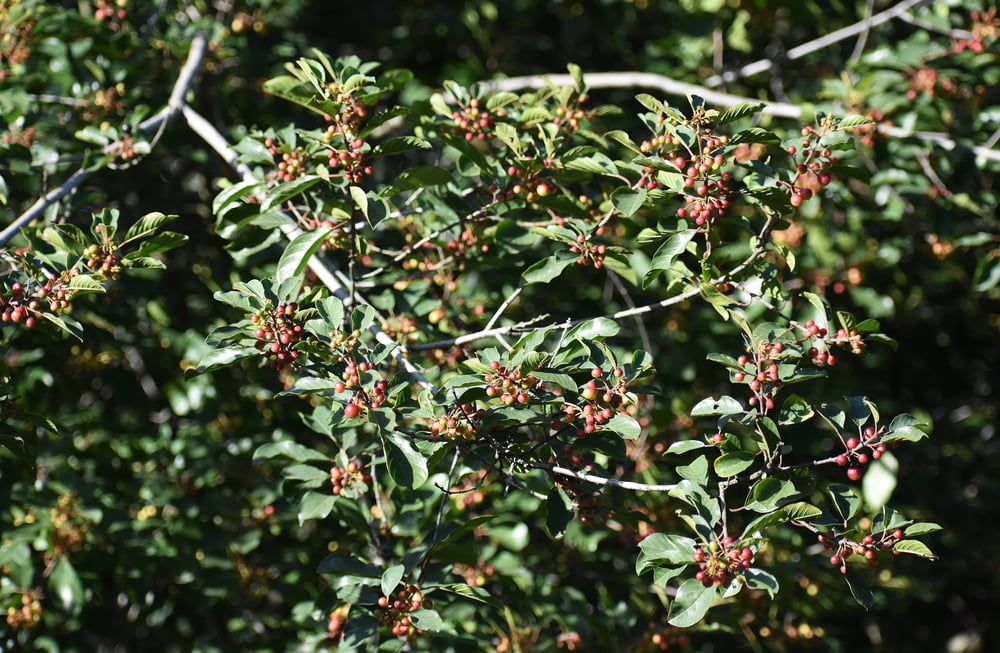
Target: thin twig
pixel 184 80
pixel 859 46
pixel 809 47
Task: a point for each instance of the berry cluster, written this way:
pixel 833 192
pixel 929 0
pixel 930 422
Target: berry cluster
pixel 351 157
pixel 761 374
pixel 111 10
pixel 589 253
pixel 123 149
pixel 587 503
pixel 819 356
pixel 708 193
pixel 337 621
pixel 293 161
pixel 28 613
pixel 509 385
pixel 401 328
pixel 458 423
pixel 867 548
pixel 813 161
pixel 21 306
pixel 277 331
pixel 569 117
pixel 711 196
pixel 16 135
pixel 526 185
pixel 104 259
pixel 600 402
pixel 985 28
pixel 351 480
pixel 855 453
pixel 476 121
pixel 718 563
pixel 69 525
pixel 394 612
pixel 347 122
pixel 15 40
pixel 662 638
pixel 362 399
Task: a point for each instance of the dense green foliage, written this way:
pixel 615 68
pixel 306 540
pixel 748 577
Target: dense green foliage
pixel 245 424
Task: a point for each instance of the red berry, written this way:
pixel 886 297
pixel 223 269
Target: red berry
pixel 853 473
pixel 351 410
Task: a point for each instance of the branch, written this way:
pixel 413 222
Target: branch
pixel 809 47
pixel 716 98
pixel 184 80
pixel 331 278
pixel 599 480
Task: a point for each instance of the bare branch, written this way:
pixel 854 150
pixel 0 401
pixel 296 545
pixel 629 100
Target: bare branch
pixel 184 80
pixel 826 40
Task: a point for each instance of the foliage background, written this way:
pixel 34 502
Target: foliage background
pixel 215 571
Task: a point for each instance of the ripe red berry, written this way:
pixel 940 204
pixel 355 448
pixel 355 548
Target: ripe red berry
pixel 853 473
pixel 351 410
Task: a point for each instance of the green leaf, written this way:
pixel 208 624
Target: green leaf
pixel 288 449
pixel 731 464
pixel 548 268
pixel 624 425
pixel 859 409
pixel 147 225
pixel 65 585
pixel 684 446
pixel 305 473
pixel 400 144
pixel 391 578
pixel 407 466
pixel 879 481
pixel 769 494
pixel 905 428
pixel 233 195
pixel 469 592
pixel 628 201
pixel 860 589
pixel 738 111
pixel 696 471
pixel 691 603
pixel 795 410
pixel 598 164
pixel 595 329
pixel 721 406
pixel 559 512
pixel 754 135
pixel 921 528
pixel 158 243
pixel 845 500
pixel 915 547
pixel 217 358
pixel 296 256
pixel 671 248
pixel 430 621
pixel 758 579
pixel 286 191
pixel 315 505
pixel 663 548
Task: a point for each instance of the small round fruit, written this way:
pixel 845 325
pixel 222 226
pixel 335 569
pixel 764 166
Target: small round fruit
pixel 351 410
